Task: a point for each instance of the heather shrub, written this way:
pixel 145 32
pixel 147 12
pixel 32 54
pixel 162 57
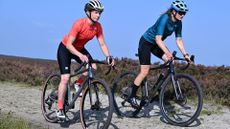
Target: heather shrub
pixel 215 80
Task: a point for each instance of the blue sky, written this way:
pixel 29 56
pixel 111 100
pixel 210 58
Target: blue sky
pixel 35 28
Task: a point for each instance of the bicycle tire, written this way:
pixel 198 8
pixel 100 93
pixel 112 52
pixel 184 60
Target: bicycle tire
pixel 121 90
pixel 185 111
pixel 49 97
pixel 97 114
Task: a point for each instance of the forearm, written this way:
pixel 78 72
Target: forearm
pixel 103 46
pixel 105 49
pixel 161 44
pixel 181 47
pixel 71 48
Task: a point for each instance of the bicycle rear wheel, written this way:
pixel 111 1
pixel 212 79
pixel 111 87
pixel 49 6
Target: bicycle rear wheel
pixel 183 110
pixel 121 90
pixel 49 97
pixel 96 106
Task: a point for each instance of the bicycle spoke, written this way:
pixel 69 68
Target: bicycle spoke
pixel 49 98
pixel 184 108
pixel 98 112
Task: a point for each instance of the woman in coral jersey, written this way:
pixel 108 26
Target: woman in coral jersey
pixel 72 47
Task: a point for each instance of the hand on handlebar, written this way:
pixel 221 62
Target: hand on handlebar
pixel 110 60
pixel 169 55
pixel 188 58
pixel 84 58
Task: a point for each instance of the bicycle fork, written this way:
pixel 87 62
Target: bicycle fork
pixel 95 104
pixel 175 83
pixel 176 87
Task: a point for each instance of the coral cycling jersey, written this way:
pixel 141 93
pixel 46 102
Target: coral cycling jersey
pixel 83 31
pixel 164 26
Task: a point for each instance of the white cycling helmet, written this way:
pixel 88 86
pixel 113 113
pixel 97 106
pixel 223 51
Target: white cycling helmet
pixel 179 5
pixel 94 5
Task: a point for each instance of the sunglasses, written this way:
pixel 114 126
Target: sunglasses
pixel 181 13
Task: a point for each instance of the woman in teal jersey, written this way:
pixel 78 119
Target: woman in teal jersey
pixel 152 41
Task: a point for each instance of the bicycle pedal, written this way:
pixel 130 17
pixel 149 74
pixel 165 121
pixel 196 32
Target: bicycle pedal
pixel 95 107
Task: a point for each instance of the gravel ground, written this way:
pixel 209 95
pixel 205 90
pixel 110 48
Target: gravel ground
pixel 26 103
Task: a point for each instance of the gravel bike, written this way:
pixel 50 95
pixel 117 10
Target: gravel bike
pixel 180 95
pixel 96 105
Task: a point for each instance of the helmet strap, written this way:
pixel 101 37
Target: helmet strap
pixel 174 15
pixel 88 14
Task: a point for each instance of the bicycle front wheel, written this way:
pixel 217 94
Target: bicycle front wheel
pixel 96 106
pixel 49 97
pixel 181 100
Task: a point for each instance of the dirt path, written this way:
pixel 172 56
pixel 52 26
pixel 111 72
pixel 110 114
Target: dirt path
pixel 25 102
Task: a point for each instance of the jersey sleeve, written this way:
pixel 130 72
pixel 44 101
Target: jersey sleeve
pixel 75 29
pixel 178 30
pixel 162 21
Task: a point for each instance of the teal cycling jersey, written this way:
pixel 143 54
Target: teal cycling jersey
pixel 164 26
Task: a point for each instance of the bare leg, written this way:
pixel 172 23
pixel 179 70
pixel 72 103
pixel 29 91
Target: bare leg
pixel 143 73
pixel 62 90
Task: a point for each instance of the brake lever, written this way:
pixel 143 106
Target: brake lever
pixel 192 58
pixel 192 61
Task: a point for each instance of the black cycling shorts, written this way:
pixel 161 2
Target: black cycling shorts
pixel 64 57
pixel 145 49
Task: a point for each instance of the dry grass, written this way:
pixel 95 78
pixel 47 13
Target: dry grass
pixel 9 121
pixel 215 81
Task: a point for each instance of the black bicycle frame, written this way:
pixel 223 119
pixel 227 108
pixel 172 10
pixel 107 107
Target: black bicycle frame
pixel 171 73
pixel 89 78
